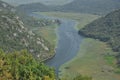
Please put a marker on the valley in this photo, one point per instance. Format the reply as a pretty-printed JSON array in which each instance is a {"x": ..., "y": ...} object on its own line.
[
  {"x": 91, "y": 59},
  {"x": 66, "y": 36},
  {"x": 60, "y": 40}
]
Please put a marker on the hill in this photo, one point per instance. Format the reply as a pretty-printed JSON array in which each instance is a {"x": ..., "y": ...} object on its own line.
[
  {"x": 16, "y": 35},
  {"x": 34, "y": 7},
  {"x": 91, "y": 6},
  {"x": 81, "y": 6},
  {"x": 46, "y": 2},
  {"x": 106, "y": 29}
]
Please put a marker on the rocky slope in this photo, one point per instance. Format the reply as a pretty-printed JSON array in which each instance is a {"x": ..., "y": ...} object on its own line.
[{"x": 14, "y": 35}]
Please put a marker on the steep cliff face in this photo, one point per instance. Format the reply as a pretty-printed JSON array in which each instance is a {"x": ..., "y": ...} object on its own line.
[{"x": 14, "y": 35}]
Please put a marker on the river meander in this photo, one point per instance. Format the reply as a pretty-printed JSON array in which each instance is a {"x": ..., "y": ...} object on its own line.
[{"x": 68, "y": 42}]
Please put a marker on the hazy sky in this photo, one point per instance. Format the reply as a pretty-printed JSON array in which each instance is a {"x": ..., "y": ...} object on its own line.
[{"x": 48, "y": 2}]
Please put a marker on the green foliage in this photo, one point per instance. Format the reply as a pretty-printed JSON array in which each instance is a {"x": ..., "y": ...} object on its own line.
[{"x": 22, "y": 66}]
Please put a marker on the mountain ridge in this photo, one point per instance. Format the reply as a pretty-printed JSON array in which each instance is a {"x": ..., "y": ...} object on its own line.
[{"x": 80, "y": 6}]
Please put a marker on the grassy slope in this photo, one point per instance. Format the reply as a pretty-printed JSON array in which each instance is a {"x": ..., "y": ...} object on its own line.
[{"x": 91, "y": 59}]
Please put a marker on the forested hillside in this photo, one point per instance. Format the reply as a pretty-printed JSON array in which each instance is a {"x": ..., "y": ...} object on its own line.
[
  {"x": 105, "y": 29},
  {"x": 15, "y": 35}
]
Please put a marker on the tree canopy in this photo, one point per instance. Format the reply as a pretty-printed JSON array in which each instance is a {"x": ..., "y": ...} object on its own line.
[{"x": 22, "y": 66}]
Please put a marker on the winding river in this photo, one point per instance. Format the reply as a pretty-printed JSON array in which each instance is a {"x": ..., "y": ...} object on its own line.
[{"x": 68, "y": 42}]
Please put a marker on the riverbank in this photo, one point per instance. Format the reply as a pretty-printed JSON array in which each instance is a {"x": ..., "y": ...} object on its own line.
[
  {"x": 68, "y": 44},
  {"x": 91, "y": 61}
]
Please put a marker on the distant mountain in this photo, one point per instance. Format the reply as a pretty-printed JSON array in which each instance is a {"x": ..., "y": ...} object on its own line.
[
  {"x": 6, "y": 7},
  {"x": 91, "y": 6},
  {"x": 105, "y": 29},
  {"x": 15, "y": 35},
  {"x": 46, "y": 2},
  {"x": 84, "y": 6},
  {"x": 34, "y": 7}
]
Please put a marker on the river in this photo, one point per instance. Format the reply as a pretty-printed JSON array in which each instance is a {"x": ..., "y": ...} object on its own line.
[{"x": 68, "y": 42}]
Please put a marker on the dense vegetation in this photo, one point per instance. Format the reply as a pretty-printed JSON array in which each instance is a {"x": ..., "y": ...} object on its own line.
[
  {"x": 84, "y": 6},
  {"x": 22, "y": 66},
  {"x": 106, "y": 29}
]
